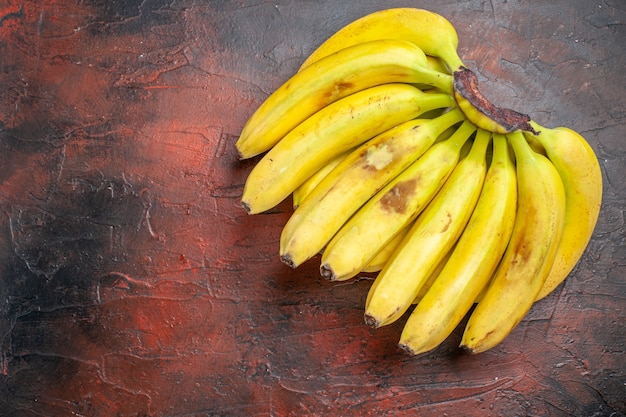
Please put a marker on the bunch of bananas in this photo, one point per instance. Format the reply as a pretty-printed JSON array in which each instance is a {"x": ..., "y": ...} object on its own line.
[{"x": 399, "y": 166}]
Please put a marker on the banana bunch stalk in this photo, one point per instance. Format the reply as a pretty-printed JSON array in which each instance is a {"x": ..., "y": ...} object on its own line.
[{"x": 398, "y": 166}]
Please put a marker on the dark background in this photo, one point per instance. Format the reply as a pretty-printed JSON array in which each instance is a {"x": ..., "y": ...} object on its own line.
[{"x": 133, "y": 284}]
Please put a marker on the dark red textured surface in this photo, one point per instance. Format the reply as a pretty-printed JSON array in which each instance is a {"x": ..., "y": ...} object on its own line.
[{"x": 133, "y": 283}]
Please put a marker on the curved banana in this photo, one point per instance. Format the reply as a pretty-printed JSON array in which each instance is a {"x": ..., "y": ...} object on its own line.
[
  {"x": 429, "y": 281},
  {"x": 529, "y": 254},
  {"x": 580, "y": 172},
  {"x": 380, "y": 259},
  {"x": 432, "y": 277},
  {"x": 473, "y": 260},
  {"x": 433, "y": 33},
  {"x": 358, "y": 177},
  {"x": 434, "y": 233},
  {"x": 304, "y": 189},
  {"x": 392, "y": 208},
  {"x": 336, "y": 128},
  {"x": 338, "y": 75}
]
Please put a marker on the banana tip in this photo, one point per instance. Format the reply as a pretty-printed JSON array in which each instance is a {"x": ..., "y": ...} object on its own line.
[
  {"x": 240, "y": 153},
  {"x": 371, "y": 321},
  {"x": 465, "y": 348},
  {"x": 407, "y": 349},
  {"x": 327, "y": 272},
  {"x": 286, "y": 259},
  {"x": 246, "y": 207}
]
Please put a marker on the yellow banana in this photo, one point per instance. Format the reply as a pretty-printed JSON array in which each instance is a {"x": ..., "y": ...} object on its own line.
[
  {"x": 529, "y": 254},
  {"x": 436, "y": 64},
  {"x": 432, "y": 236},
  {"x": 304, "y": 189},
  {"x": 334, "y": 129},
  {"x": 473, "y": 260},
  {"x": 429, "y": 281},
  {"x": 580, "y": 172},
  {"x": 392, "y": 208},
  {"x": 431, "y": 278},
  {"x": 433, "y": 33},
  {"x": 380, "y": 259},
  {"x": 338, "y": 75},
  {"x": 358, "y": 177}
]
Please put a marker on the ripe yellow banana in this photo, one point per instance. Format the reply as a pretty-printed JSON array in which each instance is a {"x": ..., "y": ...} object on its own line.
[
  {"x": 392, "y": 208},
  {"x": 529, "y": 254},
  {"x": 433, "y": 33},
  {"x": 473, "y": 260},
  {"x": 334, "y": 129},
  {"x": 300, "y": 193},
  {"x": 580, "y": 172},
  {"x": 338, "y": 75},
  {"x": 429, "y": 281},
  {"x": 431, "y": 278},
  {"x": 434, "y": 233},
  {"x": 380, "y": 259},
  {"x": 357, "y": 178}
]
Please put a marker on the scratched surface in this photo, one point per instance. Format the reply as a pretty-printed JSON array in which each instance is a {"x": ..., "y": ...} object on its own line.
[{"x": 132, "y": 283}]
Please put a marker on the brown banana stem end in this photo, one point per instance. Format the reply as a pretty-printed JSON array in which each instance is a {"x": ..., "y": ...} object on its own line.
[{"x": 466, "y": 85}]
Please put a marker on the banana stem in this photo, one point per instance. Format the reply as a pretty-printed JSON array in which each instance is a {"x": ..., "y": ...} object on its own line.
[
  {"x": 436, "y": 101},
  {"x": 536, "y": 127},
  {"x": 522, "y": 150},
  {"x": 437, "y": 79},
  {"x": 449, "y": 118},
  {"x": 452, "y": 59},
  {"x": 466, "y": 85}
]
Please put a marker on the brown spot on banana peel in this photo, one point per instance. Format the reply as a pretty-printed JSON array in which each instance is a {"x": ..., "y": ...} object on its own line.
[
  {"x": 333, "y": 92},
  {"x": 396, "y": 199},
  {"x": 446, "y": 226},
  {"x": 466, "y": 85},
  {"x": 524, "y": 251}
]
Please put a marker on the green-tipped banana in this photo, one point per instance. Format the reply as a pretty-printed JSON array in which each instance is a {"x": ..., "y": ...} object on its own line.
[
  {"x": 434, "y": 233},
  {"x": 358, "y": 177},
  {"x": 392, "y": 208},
  {"x": 473, "y": 260},
  {"x": 530, "y": 253}
]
